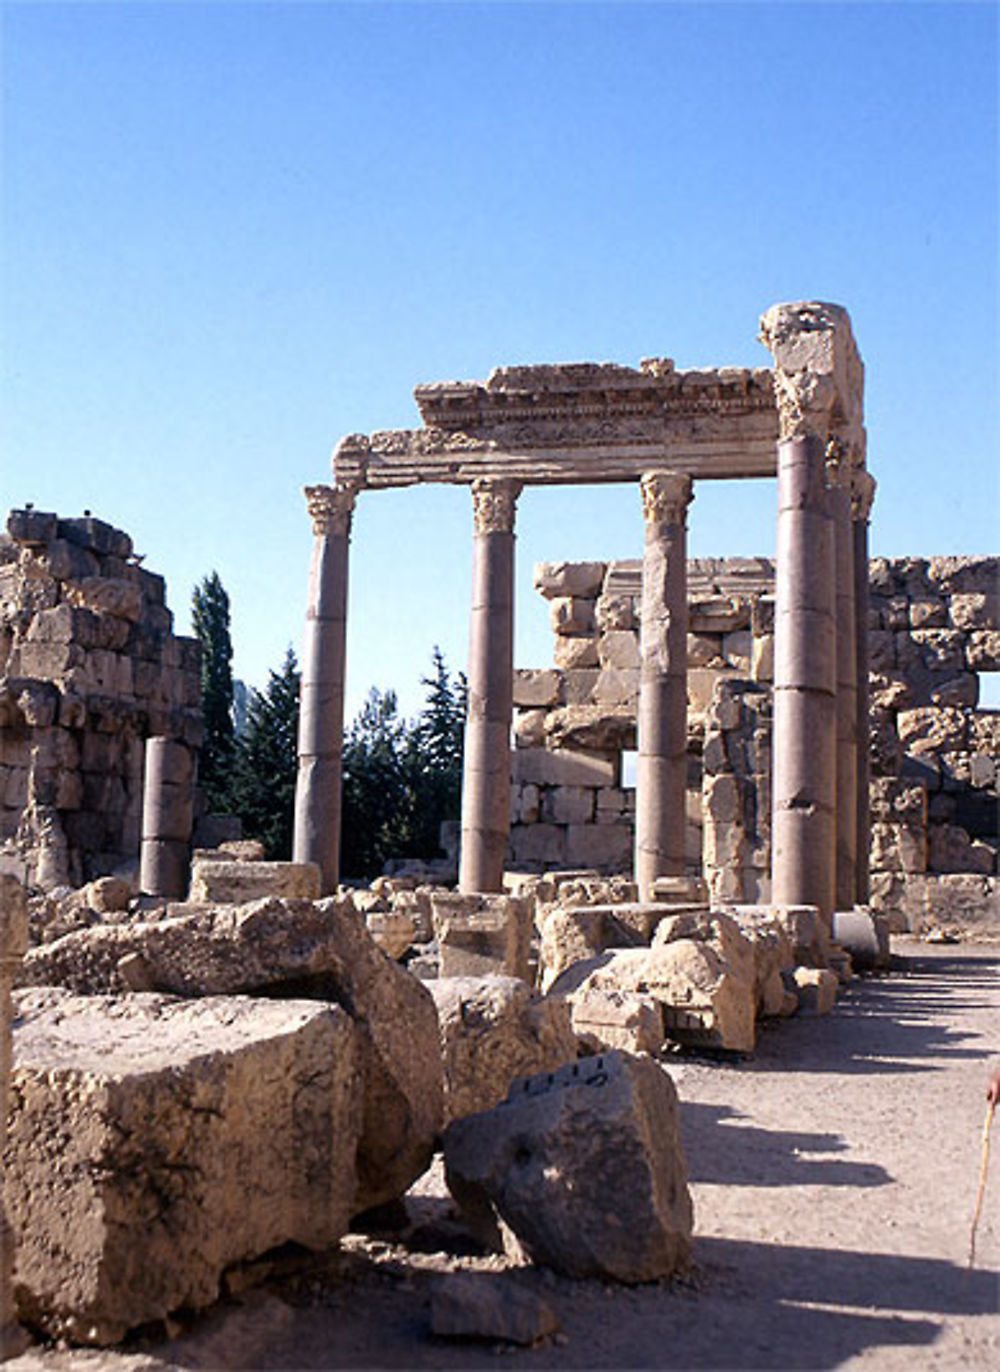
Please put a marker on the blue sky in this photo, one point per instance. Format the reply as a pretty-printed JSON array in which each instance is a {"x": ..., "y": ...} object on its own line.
[{"x": 233, "y": 232}]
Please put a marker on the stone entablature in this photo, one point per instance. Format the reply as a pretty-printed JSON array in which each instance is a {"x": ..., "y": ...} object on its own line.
[
  {"x": 89, "y": 669},
  {"x": 576, "y": 423},
  {"x": 935, "y": 758}
]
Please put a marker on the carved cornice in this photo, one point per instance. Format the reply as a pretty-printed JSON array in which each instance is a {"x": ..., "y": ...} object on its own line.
[
  {"x": 330, "y": 509},
  {"x": 863, "y": 486},
  {"x": 493, "y": 505},
  {"x": 665, "y": 497}
]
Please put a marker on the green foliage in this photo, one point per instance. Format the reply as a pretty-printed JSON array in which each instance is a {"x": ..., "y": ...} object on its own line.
[
  {"x": 262, "y": 779},
  {"x": 210, "y": 617},
  {"x": 402, "y": 780}
]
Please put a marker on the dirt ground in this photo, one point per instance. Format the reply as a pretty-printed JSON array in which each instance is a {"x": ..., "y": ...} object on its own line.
[{"x": 834, "y": 1178}]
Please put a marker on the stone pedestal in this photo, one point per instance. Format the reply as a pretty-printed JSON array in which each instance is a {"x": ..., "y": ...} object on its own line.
[
  {"x": 805, "y": 675},
  {"x": 839, "y": 481},
  {"x": 13, "y": 942},
  {"x": 321, "y": 712},
  {"x": 661, "y": 774},
  {"x": 486, "y": 761},
  {"x": 167, "y": 818},
  {"x": 863, "y": 493}
]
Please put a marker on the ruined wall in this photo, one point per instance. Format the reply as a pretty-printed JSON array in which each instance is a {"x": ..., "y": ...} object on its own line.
[
  {"x": 934, "y": 629},
  {"x": 89, "y": 668}
]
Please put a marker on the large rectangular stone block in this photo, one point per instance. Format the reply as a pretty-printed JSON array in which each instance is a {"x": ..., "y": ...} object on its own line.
[
  {"x": 155, "y": 1141},
  {"x": 221, "y": 881},
  {"x": 483, "y": 934}
]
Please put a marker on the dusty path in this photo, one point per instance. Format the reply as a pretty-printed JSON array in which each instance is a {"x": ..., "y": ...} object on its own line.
[{"x": 834, "y": 1178}]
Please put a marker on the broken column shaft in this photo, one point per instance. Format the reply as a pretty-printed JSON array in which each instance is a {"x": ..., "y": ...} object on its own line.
[
  {"x": 167, "y": 818},
  {"x": 839, "y": 482},
  {"x": 486, "y": 760},
  {"x": 863, "y": 493}
]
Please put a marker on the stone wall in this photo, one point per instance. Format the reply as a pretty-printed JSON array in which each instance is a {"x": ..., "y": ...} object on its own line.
[
  {"x": 89, "y": 668},
  {"x": 934, "y": 628}
]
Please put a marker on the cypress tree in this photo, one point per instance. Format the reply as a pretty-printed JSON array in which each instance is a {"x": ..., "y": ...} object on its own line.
[{"x": 210, "y": 617}]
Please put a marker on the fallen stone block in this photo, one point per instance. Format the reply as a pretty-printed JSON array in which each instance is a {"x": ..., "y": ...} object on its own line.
[
  {"x": 483, "y": 934},
  {"x": 606, "y": 1020},
  {"x": 585, "y": 1166},
  {"x": 489, "y": 1305},
  {"x": 575, "y": 934},
  {"x": 704, "y": 1004},
  {"x": 153, "y": 1141},
  {"x": 864, "y": 934},
  {"x": 816, "y": 989},
  {"x": 392, "y": 930},
  {"x": 313, "y": 950},
  {"x": 493, "y": 1030},
  {"x": 220, "y": 881}
]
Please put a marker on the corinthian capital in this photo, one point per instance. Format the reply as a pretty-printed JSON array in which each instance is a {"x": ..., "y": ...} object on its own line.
[
  {"x": 818, "y": 372},
  {"x": 493, "y": 503},
  {"x": 330, "y": 508},
  {"x": 862, "y": 494},
  {"x": 665, "y": 497}
]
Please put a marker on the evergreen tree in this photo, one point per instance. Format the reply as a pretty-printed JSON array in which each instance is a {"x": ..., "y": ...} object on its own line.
[
  {"x": 436, "y": 743},
  {"x": 376, "y": 796},
  {"x": 265, "y": 764},
  {"x": 210, "y": 617}
]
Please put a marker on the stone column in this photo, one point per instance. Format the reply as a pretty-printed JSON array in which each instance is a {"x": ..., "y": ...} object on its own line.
[
  {"x": 13, "y": 942},
  {"x": 863, "y": 493},
  {"x": 167, "y": 818},
  {"x": 839, "y": 496},
  {"x": 819, "y": 392},
  {"x": 321, "y": 702},
  {"x": 661, "y": 771},
  {"x": 486, "y": 761}
]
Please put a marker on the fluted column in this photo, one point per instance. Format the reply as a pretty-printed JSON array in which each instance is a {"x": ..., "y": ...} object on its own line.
[
  {"x": 13, "y": 943},
  {"x": 321, "y": 710},
  {"x": 862, "y": 495},
  {"x": 839, "y": 484},
  {"x": 486, "y": 760},
  {"x": 661, "y": 769}
]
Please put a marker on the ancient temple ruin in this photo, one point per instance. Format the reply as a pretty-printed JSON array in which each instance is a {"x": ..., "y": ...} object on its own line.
[{"x": 664, "y": 430}]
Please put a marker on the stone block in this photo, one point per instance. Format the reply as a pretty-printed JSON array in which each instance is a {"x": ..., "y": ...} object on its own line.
[
  {"x": 816, "y": 989},
  {"x": 578, "y": 685},
  {"x": 572, "y": 935},
  {"x": 530, "y": 728},
  {"x": 865, "y": 935},
  {"x": 571, "y": 653},
  {"x": 928, "y": 612},
  {"x": 572, "y": 615},
  {"x": 565, "y": 767},
  {"x": 394, "y": 931},
  {"x": 568, "y": 805},
  {"x": 975, "y": 609},
  {"x": 154, "y": 1141},
  {"x": 236, "y": 883},
  {"x": 585, "y": 1166},
  {"x": 107, "y": 596},
  {"x": 98, "y": 536},
  {"x": 704, "y": 650},
  {"x": 483, "y": 934},
  {"x": 607, "y": 1020},
  {"x": 718, "y": 615},
  {"x": 539, "y": 845},
  {"x": 762, "y": 658},
  {"x": 737, "y": 647},
  {"x": 495, "y": 1029},
  {"x": 982, "y": 650},
  {"x": 924, "y": 730},
  {"x": 489, "y": 1305},
  {"x": 616, "y": 687},
  {"x": 558, "y": 579},
  {"x": 615, "y": 612},
  {"x": 537, "y": 688},
  {"x": 619, "y": 648},
  {"x": 317, "y": 950},
  {"x": 961, "y": 690},
  {"x": 606, "y": 846},
  {"x": 32, "y": 527}
]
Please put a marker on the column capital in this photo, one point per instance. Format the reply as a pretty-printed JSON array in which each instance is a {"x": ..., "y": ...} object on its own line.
[
  {"x": 330, "y": 508},
  {"x": 863, "y": 486},
  {"x": 493, "y": 504},
  {"x": 665, "y": 497},
  {"x": 818, "y": 372}
]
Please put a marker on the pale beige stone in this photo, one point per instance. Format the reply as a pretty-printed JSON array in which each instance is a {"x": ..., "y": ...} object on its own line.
[
  {"x": 394, "y": 931},
  {"x": 816, "y": 988},
  {"x": 572, "y": 653},
  {"x": 615, "y": 612},
  {"x": 482, "y": 934},
  {"x": 537, "y": 688},
  {"x": 555, "y": 579},
  {"x": 585, "y": 1166},
  {"x": 605, "y": 1020},
  {"x": 495, "y": 1029},
  {"x": 154, "y": 1141},
  {"x": 218, "y": 882},
  {"x": 619, "y": 648},
  {"x": 572, "y": 615}
]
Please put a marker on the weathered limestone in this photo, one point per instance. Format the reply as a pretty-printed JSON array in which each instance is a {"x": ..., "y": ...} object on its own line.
[
  {"x": 862, "y": 495},
  {"x": 89, "y": 668},
  {"x": 483, "y": 934},
  {"x": 321, "y": 719},
  {"x": 585, "y": 1166},
  {"x": 13, "y": 942},
  {"x": 661, "y": 779},
  {"x": 155, "y": 1141},
  {"x": 167, "y": 818},
  {"x": 219, "y": 881},
  {"x": 318, "y": 951},
  {"x": 839, "y": 495},
  {"x": 495, "y": 1029},
  {"x": 818, "y": 385},
  {"x": 489, "y": 1305},
  {"x": 486, "y": 762}
]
